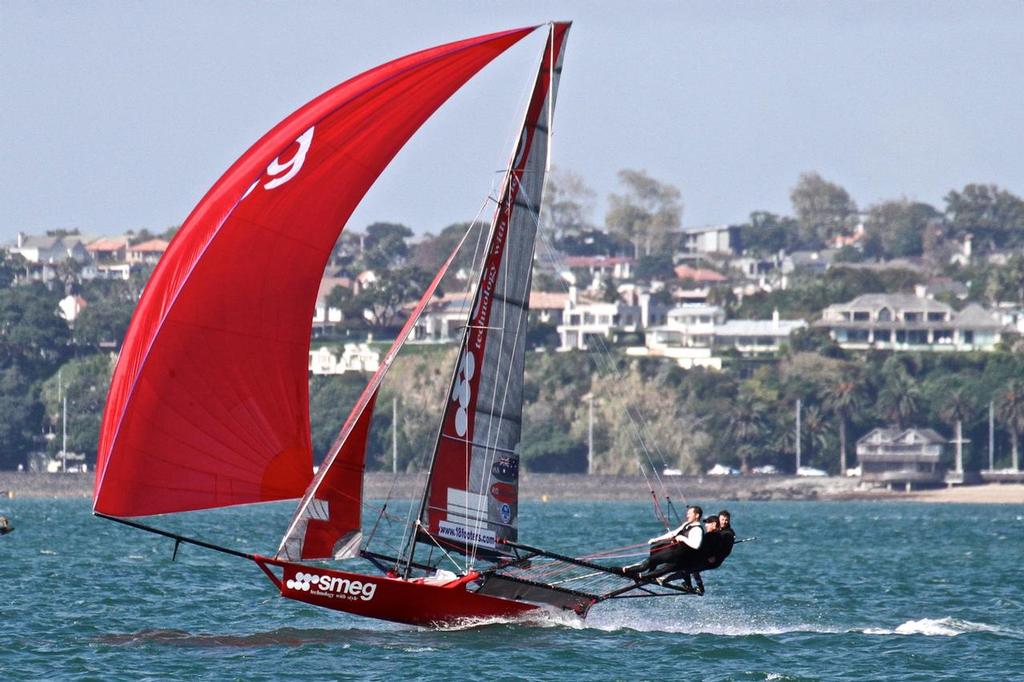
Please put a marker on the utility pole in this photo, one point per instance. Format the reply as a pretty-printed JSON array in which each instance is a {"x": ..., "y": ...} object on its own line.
[
  {"x": 960, "y": 446},
  {"x": 590, "y": 434},
  {"x": 64, "y": 440},
  {"x": 63, "y": 402},
  {"x": 797, "y": 435},
  {"x": 991, "y": 436},
  {"x": 394, "y": 435}
]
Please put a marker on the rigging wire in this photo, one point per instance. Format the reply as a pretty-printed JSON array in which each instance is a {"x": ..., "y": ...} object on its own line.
[{"x": 606, "y": 365}]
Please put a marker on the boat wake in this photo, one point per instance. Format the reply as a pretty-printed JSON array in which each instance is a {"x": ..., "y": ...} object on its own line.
[
  {"x": 942, "y": 627},
  {"x": 729, "y": 624}
]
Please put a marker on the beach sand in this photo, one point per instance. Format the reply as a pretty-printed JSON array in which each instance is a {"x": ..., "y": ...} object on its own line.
[{"x": 992, "y": 493}]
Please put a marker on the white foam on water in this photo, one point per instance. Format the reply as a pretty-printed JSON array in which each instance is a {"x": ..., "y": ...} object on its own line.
[{"x": 937, "y": 627}]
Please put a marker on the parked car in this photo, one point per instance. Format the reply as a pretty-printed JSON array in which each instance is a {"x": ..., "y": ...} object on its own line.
[
  {"x": 722, "y": 470},
  {"x": 810, "y": 471},
  {"x": 766, "y": 470}
]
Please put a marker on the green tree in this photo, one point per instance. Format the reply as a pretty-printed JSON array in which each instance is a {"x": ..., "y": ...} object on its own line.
[
  {"x": 432, "y": 251},
  {"x": 330, "y": 400},
  {"x": 655, "y": 267},
  {"x": 84, "y": 382},
  {"x": 955, "y": 410},
  {"x": 383, "y": 300},
  {"x": 103, "y": 322},
  {"x": 747, "y": 426},
  {"x": 567, "y": 205},
  {"x": 647, "y": 214},
  {"x": 845, "y": 399},
  {"x": 384, "y": 245},
  {"x": 993, "y": 216},
  {"x": 11, "y": 265},
  {"x": 766, "y": 234},
  {"x": 900, "y": 399},
  {"x": 22, "y": 417},
  {"x": 1010, "y": 410},
  {"x": 550, "y": 448},
  {"x": 815, "y": 434},
  {"x": 900, "y": 226},
  {"x": 32, "y": 335},
  {"x": 823, "y": 210}
]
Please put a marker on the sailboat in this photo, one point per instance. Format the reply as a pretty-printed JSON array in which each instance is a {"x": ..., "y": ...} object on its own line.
[{"x": 209, "y": 405}]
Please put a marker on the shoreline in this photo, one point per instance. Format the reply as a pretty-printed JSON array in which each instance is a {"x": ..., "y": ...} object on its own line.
[{"x": 556, "y": 487}]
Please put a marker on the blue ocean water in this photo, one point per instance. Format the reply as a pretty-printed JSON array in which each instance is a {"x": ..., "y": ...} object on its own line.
[{"x": 834, "y": 591}]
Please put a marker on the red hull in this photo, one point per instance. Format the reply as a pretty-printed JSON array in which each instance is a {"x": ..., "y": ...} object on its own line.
[{"x": 402, "y": 601}]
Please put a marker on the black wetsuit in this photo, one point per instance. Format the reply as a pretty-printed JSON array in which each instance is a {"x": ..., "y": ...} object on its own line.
[{"x": 726, "y": 540}]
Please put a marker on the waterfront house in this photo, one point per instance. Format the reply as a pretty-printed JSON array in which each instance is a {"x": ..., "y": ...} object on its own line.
[{"x": 901, "y": 457}]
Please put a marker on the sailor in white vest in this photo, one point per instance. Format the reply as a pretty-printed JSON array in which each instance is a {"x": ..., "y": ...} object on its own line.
[{"x": 678, "y": 546}]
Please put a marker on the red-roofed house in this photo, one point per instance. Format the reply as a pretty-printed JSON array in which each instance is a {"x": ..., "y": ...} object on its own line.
[
  {"x": 147, "y": 252},
  {"x": 700, "y": 275},
  {"x": 109, "y": 255}
]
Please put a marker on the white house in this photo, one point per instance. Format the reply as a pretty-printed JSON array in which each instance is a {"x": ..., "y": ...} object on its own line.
[
  {"x": 708, "y": 239},
  {"x": 908, "y": 322},
  {"x": 355, "y": 358},
  {"x": 692, "y": 332},
  {"x": 71, "y": 306},
  {"x": 585, "y": 320}
]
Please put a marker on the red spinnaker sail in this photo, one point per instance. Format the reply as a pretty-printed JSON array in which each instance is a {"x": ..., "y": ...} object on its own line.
[
  {"x": 208, "y": 406},
  {"x": 471, "y": 502}
]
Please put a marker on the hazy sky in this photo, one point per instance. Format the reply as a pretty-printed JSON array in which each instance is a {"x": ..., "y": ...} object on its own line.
[{"x": 120, "y": 115}]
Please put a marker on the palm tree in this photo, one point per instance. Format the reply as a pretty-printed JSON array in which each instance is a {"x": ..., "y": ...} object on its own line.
[
  {"x": 747, "y": 421},
  {"x": 844, "y": 399},
  {"x": 956, "y": 410},
  {"x": 1010, "y": 408},
  {"x": 816, "y": 428},
  {"x": 899, "y": 399}
]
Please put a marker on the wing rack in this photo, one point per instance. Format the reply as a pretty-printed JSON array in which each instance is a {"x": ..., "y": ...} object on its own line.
[{"x": 566, "y": 582}]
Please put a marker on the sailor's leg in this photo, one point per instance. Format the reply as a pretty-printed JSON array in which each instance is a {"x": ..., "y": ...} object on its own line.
[
  {"x": 670, "y": 576},
  {"x": 700, "y": 583},
  {"x": 659, "y": 554}
]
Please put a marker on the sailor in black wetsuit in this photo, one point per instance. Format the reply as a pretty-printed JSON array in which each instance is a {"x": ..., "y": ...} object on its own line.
[
  {"x": 727, "y": 536},
  {"x": 676, "y": 548},
  {"x": 719, "y": 539}
]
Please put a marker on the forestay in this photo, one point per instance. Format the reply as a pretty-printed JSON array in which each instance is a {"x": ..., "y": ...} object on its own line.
[
  {"x": 471, "y": 501},
  {"x": 209, "y": 402}
]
